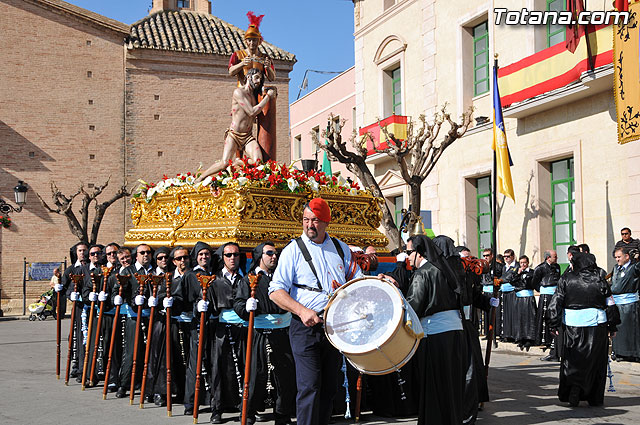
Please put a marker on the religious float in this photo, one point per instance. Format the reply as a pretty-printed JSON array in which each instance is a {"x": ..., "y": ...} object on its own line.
[{"x": 250, "y": 204}]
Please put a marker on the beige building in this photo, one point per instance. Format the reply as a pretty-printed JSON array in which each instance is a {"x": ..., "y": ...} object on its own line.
[
  {"x": 573, "y": 182},
  {"x": 85, "y": 97}
]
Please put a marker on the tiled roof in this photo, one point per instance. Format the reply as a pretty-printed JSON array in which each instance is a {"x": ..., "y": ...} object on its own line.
[{"x": 188, "y": 31}]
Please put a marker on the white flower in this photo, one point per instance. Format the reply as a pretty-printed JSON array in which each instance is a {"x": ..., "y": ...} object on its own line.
[
  {"x": 160, "y": 185},
  {"x": 292, "y": 183},
  {"x": 190, "y": 179},
  {"x": 226, "y": 180},
  {"x": 341, "y": 181},
  {"x": 207, "y": 181},
  {"x": 242, "y": 181},
  {"x": 260, "y": 167},
  {"x": 353, "y": 191},
  {"x": 150, "y": 193},
  {"x": 314, "y": 184}
]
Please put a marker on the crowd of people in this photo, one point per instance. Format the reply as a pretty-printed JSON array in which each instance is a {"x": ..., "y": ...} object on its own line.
[{"x": 295, "y": 369}]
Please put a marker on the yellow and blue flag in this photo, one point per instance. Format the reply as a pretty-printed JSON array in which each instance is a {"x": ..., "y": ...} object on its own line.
[{"x": 503, "y": 157}]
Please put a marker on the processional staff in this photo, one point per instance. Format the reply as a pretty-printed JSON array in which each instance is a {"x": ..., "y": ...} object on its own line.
[
  {"x": 106, "y": 271},
  {"x": 89, "y": 332},
  {"x": 168, "y": 342},
  {"x": 253, "y": 284},
  {"x": 58, "y": 332},
  {"x": 155, "y": 281},
  {"x": 204, "y": 284},
  {"x": 122, "y": 280},
  {"x": 76, "y": 278},
  {"x": 142, "y": 280}
]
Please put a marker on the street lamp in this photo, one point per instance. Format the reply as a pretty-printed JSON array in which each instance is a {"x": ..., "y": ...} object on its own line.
[{"x": 20, "y": 192}]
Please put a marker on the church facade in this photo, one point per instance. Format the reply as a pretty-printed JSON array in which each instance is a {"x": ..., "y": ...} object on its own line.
[{"x": 86, "y": 98}]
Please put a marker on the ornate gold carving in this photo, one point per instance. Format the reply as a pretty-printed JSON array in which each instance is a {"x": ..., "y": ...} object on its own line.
[{"x": 249, "y": 215}]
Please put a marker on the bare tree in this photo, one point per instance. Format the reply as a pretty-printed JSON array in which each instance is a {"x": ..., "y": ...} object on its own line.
[
  {"x": 79, "y": 225},
  {"x": 415, "y": 157}
]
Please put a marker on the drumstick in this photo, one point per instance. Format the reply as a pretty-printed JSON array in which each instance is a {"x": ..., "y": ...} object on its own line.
[{"x": 362, "y": 317}]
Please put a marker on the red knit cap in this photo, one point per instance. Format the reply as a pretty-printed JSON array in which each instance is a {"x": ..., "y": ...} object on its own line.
[{"x": 321, "y": 209}]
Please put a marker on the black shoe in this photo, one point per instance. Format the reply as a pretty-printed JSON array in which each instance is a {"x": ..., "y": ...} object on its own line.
[
  {"x": 574, "y": 396},
  {"x": 158, "y": 400},
  {"x": 79, "y": 379},
  {"x": 111, "y": 388},
  {"x": 121, "y": 393},
  {"x": 216, "y": 418},
  {"x": 550, "y": 358},
  {"x": 148, "y": 398},
  {"x": 74, "y": 374},
  {"x": 188, "y": 410}
]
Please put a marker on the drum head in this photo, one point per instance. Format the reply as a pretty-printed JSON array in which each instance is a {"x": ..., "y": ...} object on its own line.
[{"x": 363, "y": 314}]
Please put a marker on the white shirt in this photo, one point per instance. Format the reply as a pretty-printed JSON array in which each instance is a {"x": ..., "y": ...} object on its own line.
[
  {"x": 139, "y": 266},
  {"x": 231, "y": 276},
  {"x": 177, "y": 274},
  {"x": 293, "y": 269},
  {"x": 260, "y": 269}
]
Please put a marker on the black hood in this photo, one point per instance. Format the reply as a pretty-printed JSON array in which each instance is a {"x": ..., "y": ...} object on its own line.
[
  {"x": 430, "y": 251},
  {"x": 199, "y": 247}
]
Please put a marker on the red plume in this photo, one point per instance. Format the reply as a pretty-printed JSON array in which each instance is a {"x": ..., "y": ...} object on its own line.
[{"x": 254, "y": 20}]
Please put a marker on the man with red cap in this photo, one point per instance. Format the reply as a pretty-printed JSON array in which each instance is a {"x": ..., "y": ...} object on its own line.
[{"x": 309, "y": 271}]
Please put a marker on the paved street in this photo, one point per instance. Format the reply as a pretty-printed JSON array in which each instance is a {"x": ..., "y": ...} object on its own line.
[{"x": 523, "y": 389}]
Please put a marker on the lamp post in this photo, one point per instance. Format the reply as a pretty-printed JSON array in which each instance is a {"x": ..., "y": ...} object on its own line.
[{"x": 20, "y": 192}]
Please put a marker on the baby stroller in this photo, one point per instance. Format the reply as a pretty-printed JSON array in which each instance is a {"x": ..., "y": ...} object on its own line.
[{"x": 43, "y": 308}]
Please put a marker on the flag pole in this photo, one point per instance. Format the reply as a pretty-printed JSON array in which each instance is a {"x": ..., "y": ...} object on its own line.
[{"x": 491, "y": 337}]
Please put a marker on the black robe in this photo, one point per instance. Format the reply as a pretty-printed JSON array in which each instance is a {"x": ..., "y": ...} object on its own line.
[
  {"x": 584, "y": 357},
  {"x": 626, "y": 343},
  {"x": 192, "y": 293},
  {"x": 524, "y": 325},
  {"x": 486, "y": 280},
  {"x": 179, "y": 334},
  {"x": 442, "y": 359},
  {"x": 227, "y": 362},
  {"x": 506, "y": 316},
  {"x": 279, "y": 357},
  {"x": 396, "y": 394},
  {"x": 127, "y": 327},
  {"x": 545, "y": 275}
]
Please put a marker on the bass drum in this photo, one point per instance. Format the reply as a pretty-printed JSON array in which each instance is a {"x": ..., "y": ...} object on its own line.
[{"x": 369, "y": 321}]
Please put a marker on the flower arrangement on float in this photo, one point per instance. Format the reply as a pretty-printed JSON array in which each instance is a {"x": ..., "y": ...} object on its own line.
[{"x": 270, "y": 174}]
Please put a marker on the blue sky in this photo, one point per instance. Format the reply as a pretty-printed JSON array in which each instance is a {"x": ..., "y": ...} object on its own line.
[{"x": 319, "y": 33}]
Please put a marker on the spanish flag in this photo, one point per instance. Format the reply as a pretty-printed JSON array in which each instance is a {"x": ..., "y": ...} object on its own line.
[{"x": 503, "y": 157}]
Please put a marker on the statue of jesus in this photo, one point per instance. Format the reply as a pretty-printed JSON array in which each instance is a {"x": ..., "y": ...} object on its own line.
[{"x": 239, "y": 139}]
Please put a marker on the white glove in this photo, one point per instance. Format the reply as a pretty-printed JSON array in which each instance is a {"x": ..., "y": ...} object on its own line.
[
  {"x": 167, "y": 302},
  {"x": 153, "y": 301},
  {"x": 252, "y": 304},
  {"x": 401, "y": 257},
  {"x": 611, "y": 301},
  {"x": 102, "y": 296},
  {"x": 58, "y": 287},
  {"x": 73, "y": 296},
  {"x": 203, "y": 306},
  {"x": 117, "y": 300},
  {"x": 139, "y": 299},
  {"x": 93, "y": 297},
  {"x": 495, "y": 302}
]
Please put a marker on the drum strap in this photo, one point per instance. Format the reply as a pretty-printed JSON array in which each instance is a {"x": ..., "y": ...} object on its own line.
[{"x": 308, "y": 259}]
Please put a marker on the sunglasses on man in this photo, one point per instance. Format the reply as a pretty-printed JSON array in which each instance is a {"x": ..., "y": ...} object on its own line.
[{"x": 231, "y": 254}]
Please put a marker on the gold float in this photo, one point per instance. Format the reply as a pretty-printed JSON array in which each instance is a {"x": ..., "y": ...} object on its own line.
[{"x": 249, "y": 215}]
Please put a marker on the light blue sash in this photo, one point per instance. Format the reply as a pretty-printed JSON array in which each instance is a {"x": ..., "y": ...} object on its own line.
[
  {"x": 228, "y": 315},
  {"x": 524, "y": 293},
  {"x": 488, "y": 289},
  {"x": 548, "y": 290},
  {"x": 584, "y": 317},
  {"x": 467, "y": 312},
  {"x": 628, "y": 298},
  {"x": 506, "y": 287},
  {"x": 272, "y": 321},
  {"x": 111, "y": 312},
  {"x": 443, "y": 321},
  {"x": 126, "y": 310},
  {"x": 184, "y": 317}
]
